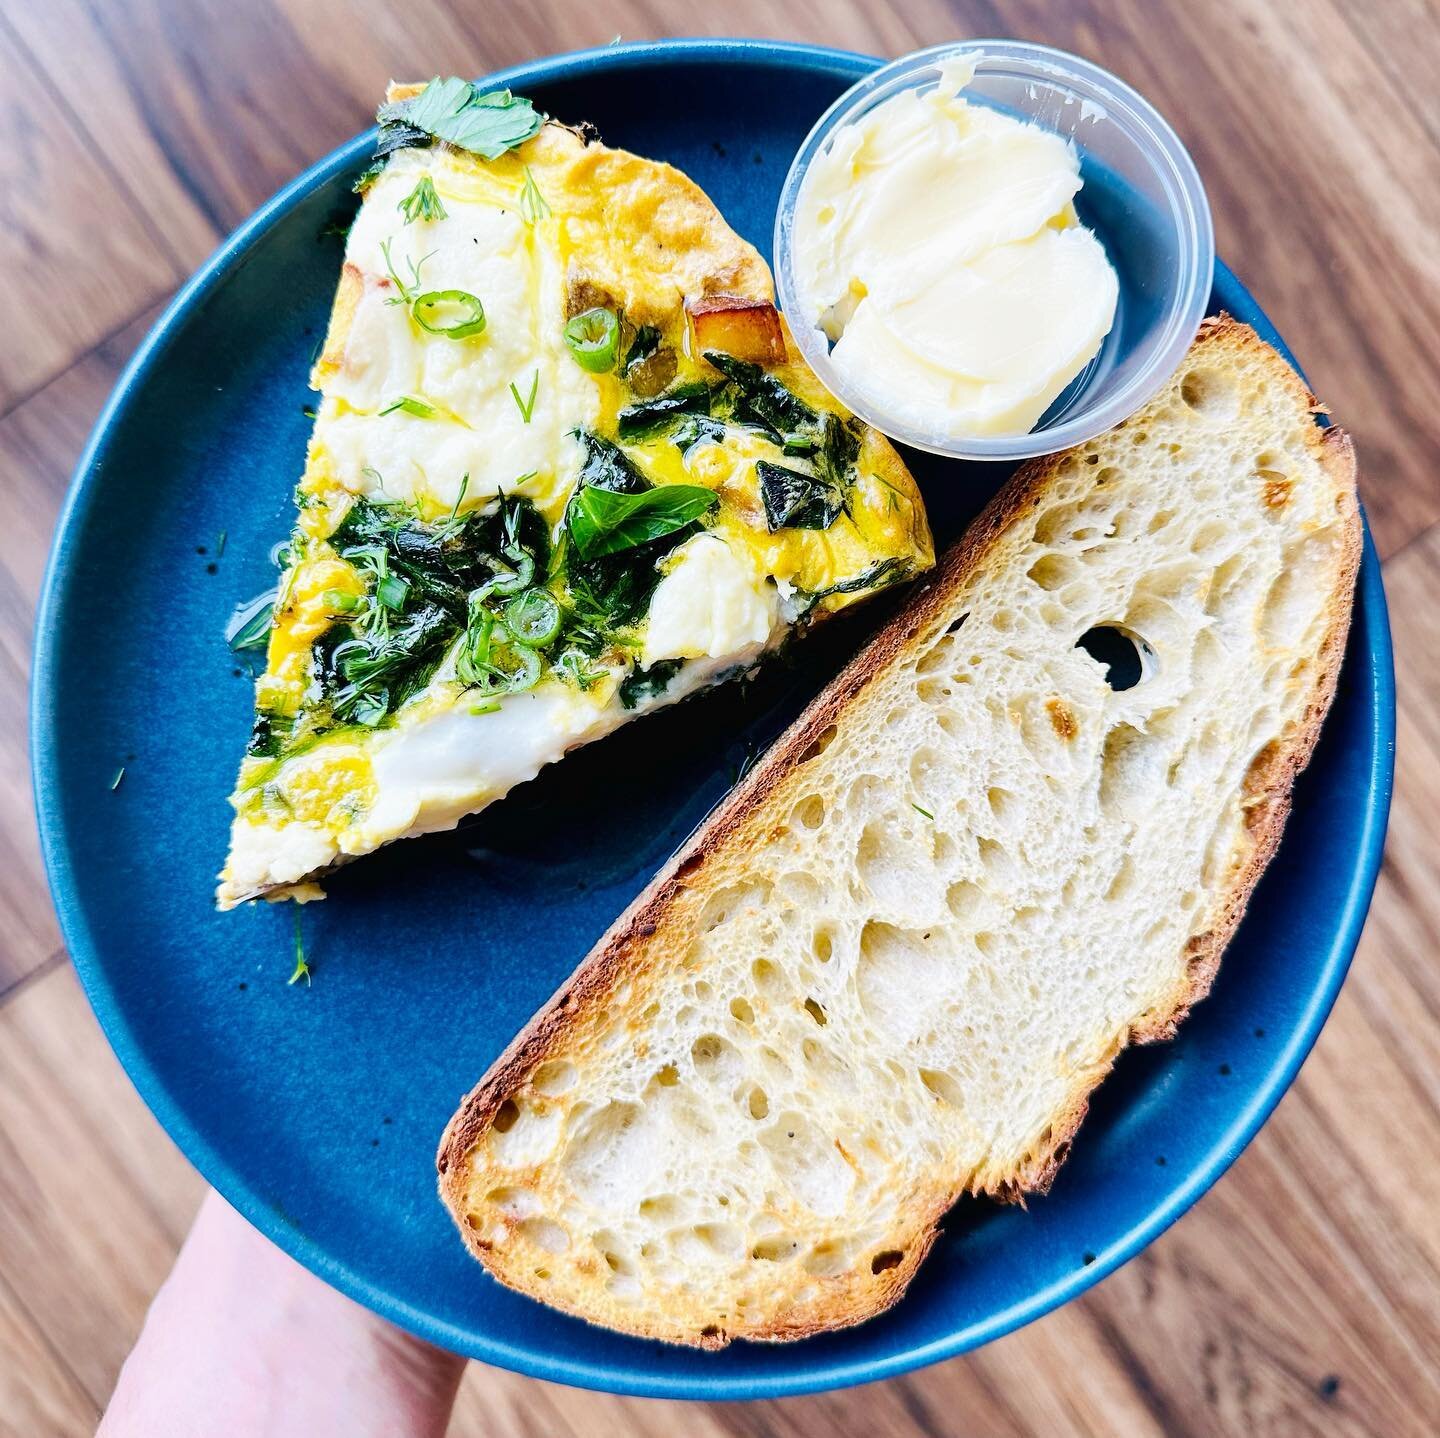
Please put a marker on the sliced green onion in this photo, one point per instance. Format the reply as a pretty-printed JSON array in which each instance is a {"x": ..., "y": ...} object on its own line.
[
  {"x": 427, "y": 309},
  {"x": 392, "y": 591},
  {"x": 493, "y": 707},
  {"x": 514, "y": 580},
  {"x": 339, "y": 602},
  {"x": 533, "y": 618},
  {"x": 594, "y": 338}
]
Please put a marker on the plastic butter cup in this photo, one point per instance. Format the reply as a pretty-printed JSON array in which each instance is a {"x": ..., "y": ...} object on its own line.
[{"x": 1141, "y": 196}]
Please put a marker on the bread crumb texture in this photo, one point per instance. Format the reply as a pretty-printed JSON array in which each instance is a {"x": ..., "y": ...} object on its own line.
[{"x": 1012, "y": 838}]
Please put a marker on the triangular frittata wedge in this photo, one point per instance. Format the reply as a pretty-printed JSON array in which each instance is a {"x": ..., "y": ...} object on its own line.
[{"x": 566, "y": 469}]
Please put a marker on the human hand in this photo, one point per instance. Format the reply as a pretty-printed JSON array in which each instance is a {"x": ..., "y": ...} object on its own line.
[{"x": 243, "y": 1342}]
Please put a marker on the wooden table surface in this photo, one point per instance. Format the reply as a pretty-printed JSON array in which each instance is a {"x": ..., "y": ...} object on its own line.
[{"x": 1302, "y": 1295}]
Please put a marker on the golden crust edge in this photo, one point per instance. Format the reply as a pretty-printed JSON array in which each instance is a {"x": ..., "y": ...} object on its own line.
[{"x": 1036, "y": 1172}]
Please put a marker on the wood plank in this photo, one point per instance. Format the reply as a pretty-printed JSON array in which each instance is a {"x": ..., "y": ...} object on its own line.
[
  {"x": 40, "y": 441},
  {"x": 70, "y": 280},
  {"x": 38, "y": 1393},
  {"x": 94, "y": 1199}
]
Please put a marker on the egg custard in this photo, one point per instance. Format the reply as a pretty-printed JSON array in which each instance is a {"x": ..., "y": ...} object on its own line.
[{"x": 563, "y": 471}]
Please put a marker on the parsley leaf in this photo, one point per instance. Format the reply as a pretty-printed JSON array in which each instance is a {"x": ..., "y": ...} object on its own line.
[{"x": 486, "y": 124}]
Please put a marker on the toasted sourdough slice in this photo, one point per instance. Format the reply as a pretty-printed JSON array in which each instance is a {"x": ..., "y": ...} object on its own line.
[
  {"x": 890, "y": 968},
  {"x": 507, "y": 545}
]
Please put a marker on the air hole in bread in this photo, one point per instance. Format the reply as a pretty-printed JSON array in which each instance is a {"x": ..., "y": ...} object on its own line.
[
  {"x": 890, "y": 1258},
  {"x": 818, "y": 745},
  {"x": 1052, "y": 571},
  {"x": 505, "y": 1116},
  {"x": 822, "y": 946},
  {"x": 758, "y": 1104},
  {"x": 512, "y": 1201},
  {"x": 810, "y": 812},
  {"x": 944, "y": 1085},
  {"x": 1123, "y": 654},
  {"x": 714, "y": 1057},
  {"x": 740, "y": 1009},
  {"x": 668, "y": 1077},
  {"x": 1210, "y": 393},
  {"x": 774, "y": 1249},
  {"x": 767, "y": 977},
  {"x": 816, "y": 1011},
  {"x": 545, "y": 1234}
]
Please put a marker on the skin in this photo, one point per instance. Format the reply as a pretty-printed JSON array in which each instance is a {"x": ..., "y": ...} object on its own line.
[{"x": 241, "y": 1340}]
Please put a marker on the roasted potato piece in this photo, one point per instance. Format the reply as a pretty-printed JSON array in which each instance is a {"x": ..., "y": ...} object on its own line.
[{"x": 747, "y": 329}]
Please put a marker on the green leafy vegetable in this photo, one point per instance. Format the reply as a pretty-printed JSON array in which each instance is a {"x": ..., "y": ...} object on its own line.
[
  {"x": 602, "y": 522},
  {"x": 651, "y": 683},
  {"x": 411, "y": 405},
  {"x": 427, "y": 310},
  {"x": 794, "y": 500},
  {"x": 484, "y": 123},
  {"x": 423, "y": 202},
  {"x": 593, "y": 338},
  {"x": 640, "y": 421},
  {"x": 760, "y": 399}
]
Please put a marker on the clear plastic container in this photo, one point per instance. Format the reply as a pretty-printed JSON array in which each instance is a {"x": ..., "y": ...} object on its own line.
[{"x": 1141, "y": 196}]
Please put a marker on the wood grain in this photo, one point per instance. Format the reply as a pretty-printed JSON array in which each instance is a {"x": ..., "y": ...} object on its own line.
[{"x": 1302, "y": 1295}]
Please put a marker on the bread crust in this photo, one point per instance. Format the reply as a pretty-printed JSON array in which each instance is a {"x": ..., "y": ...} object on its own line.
[{"x": 1268, "y": 784}]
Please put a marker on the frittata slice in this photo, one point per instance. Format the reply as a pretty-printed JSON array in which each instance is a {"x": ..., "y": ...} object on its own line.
[{"x": 565, "y": 470}]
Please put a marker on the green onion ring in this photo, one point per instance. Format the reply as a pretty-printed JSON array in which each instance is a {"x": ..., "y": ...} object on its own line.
[
  {"x": 594, "y": 338},
  {"x": 461, "y": 329},
  {"x": 533, "y": 618}
]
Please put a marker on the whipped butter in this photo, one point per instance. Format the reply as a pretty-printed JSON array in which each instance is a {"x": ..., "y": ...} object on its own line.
[{"x": 936, "y": 244}]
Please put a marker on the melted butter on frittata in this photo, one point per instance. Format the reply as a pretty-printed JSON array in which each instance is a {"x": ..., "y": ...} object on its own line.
[{"x": 437, "y": 435}]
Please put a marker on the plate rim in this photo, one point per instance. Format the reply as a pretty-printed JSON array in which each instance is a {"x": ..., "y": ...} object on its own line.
[{"x": 644, "y": 1378}]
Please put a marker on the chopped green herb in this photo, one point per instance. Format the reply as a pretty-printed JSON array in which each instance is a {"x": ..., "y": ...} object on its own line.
[
  {"x": 651, "y": 683},
  {"x": 493, "y": 707},
  {"x": 526, "y": 406},
  {"x": 337, "y": 601},
  {"x": 575, "y": 666},
  {"x": 921, "y": 810},
  {"x": 427, "y": 311},
  {"x": 602, "y": 522},
  {"x": 593, "y": 338},
  {"x": 423, "y": 202},
  {"x": 308, "y": 410},
  {"x": 119, "y": 775},
  {"x": 484, "y": 123},
  {"x": 405, "y": 290},
  {"x": 302, "y": 967},
  {"x": 411, "y": 405},
  {"x": 532, "y": 202},
  {"x": 220, "y": 544}
]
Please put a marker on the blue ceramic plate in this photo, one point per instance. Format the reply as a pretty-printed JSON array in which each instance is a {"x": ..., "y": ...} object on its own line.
[{"x": 316, "y": 1111}]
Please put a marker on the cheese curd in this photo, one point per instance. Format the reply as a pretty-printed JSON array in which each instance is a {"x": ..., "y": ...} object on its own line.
[
  {"x": 937, "y": 245},
  {"x": 710, "y": 602}
]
